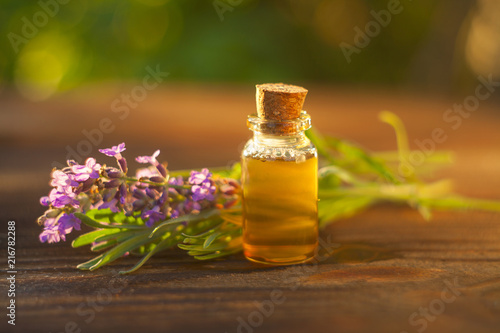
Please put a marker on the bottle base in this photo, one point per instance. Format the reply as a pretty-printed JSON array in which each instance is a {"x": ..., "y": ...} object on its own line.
[{"x": 279, "y": 255}]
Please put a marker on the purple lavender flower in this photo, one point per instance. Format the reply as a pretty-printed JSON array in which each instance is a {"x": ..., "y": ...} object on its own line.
[
  {"x": 179, "y": 181},
  {"x": 204, "y": 191},
  {"x": 174, "y": 213},
  {"x": 62, "y": 181},
  {"x": 146, "y": 172},
  {"x": 192, "y": 206},
  {"x": 114, "y": 151},
  {"x": 50, "y": 222},
  {"x": 45, "y": 201},
  {"x": 202, "y": 188},
  {"x": 76, "y": 189},
  {"x": 152, "y": 216},
  {"x": 89, "y": 170},
  {"x": 61, "y": 199},
  {"x": 51, "y": 234},
  {"x": 197, "y": 178},
  {"x": 152, "y": 160},
  {"x": 176, "y": 181},
  {"x": 111, "y": 204},
  {"x": 67, "y": 222},
  {"x": 149, "y": 159}
]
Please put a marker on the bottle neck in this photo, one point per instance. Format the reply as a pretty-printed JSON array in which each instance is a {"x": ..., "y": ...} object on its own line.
[{"x": 294, "y": 140}]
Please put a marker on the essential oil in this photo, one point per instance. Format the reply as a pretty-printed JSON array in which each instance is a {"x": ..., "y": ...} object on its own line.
[{"x": 279, "y": 180}]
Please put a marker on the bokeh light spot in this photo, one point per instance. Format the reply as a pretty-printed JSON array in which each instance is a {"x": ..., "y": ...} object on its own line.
[{"x": 42, "y": 65}]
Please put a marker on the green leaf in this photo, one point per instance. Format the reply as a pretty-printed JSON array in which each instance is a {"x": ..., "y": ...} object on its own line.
[
  {"x": 202, "y": 235},
  {"x": 210, "y": 239},
  {"x": 90, "y": 237},
  {"x": 334, "y": 209},
  {"x": 425, "y": 211},
  {"x": 186, "y": 218},
  {"x": 192, "y": 241},
  {"x": 119, "y": 236},
  {"x": 401, "y": 138},
  {"x": 234, "y": 172},
  {"x": 321, "y": 145},
  {"x": 120, "y": 249},
  {"x": 107, "y": 215},
  {"x": 217, "y": 254},
  {"x": 103, "y": 245},
  {"x": 456, "y": 202},
  {"x": 443, "y": 157},
  {"x": 217, "y": 246},
  {"x": 110, "y": 240},
  {"x": 339, "y": 174},
  {"x": 358, "y": 155},
  {"x": 93, "y": 223},
  {"x": 86, "y": 265},
  {"x": 166, "y": 243}
]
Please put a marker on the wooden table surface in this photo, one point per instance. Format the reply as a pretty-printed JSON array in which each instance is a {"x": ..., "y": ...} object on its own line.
[{"x": 388, "y": 270}]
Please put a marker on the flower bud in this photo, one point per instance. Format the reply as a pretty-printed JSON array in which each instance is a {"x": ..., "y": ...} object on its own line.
[
  {"x": 41, "y": 219},
  {"x": 161, "y": 169},
  {"x": 233, "y": 183},
  {"x": 109, "y": 194},
  {"x": 123, "y": 164},
  {"x": 227, "y": 189},
  {"x": 115, "y": 173},
  {"x": 230, "y": 203},
  {"x": 45, "y": 201},
  {"x": 163, "y": 198},
  {"x": 51, "y": 213},
  {"x": 153, "y": 194},
  {"x": 129, "y": 209},
  {"x": 157, "y": 179},
  {"x": 112, "y": 183},
  {"x": 123, "y": 193},
  {"x": 138, "y": 205},
  {"x": 86, "y": 185},
  {"x": 138, "y": 194}
]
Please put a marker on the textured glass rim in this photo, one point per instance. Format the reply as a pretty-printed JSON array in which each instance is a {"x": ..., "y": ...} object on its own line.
[{"x": 256, "y": 123}]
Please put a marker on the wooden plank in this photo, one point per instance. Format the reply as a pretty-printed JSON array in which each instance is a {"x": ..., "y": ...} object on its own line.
[{"x": 389, "y": 271}]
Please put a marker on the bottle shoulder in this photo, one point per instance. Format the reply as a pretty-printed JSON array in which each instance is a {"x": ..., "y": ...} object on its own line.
[{"x": 267, "y": 151}]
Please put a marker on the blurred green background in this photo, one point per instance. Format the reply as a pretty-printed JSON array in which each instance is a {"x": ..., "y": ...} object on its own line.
[{"x": 52, "y": 46}]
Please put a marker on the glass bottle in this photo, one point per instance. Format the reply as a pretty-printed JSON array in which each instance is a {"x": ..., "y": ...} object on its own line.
[{"x": 279, "y": 180}]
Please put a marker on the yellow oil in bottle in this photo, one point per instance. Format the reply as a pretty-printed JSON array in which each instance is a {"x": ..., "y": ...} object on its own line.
[{"x": 280, "y": 210}]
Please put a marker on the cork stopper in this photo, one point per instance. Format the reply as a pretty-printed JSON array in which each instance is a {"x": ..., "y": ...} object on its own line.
[{"x": 279, "y": 102}]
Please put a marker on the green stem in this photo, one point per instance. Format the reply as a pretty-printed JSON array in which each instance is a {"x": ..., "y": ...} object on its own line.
[
  {"x": 135, "y": 180},
  {"x": 391, "y": 192}
]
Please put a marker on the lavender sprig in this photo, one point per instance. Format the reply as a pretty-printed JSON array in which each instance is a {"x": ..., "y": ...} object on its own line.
[{"x": 147, "y": 199}]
